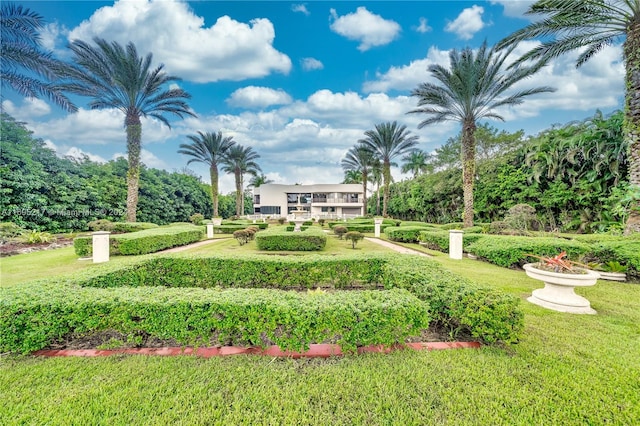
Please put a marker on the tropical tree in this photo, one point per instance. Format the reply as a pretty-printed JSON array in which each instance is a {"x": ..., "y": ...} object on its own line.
[
  {"x": 210, "y": 149},
  {"x": 21, "y": 50},
  {"x": 258, "y": 180},
  {"x": 388, "y": 141},
  {"x": 116, "y": 77},
  {"x": 239, "y": 161},
  {"x": 568, "y": 25},
  {"x": 417, "y": 162},
  {"x": 474, "y": 86},
  {"x": 352, "y": 176},
  {"x": 359, "y": 159},
  {"x": 376, "y": 179}
]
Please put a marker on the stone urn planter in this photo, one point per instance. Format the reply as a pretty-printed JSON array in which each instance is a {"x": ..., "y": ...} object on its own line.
[
  {"x": 558, "y": 293},
  {"x": 217, "y": 221}
]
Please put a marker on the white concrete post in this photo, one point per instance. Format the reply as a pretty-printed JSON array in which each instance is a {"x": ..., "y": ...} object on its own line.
[
  {"x": 100, "y": 246},
  {"x": 455, "y": 244},
  {"x": 209, "y": 230},
  {"x": 378, "y": 222}
]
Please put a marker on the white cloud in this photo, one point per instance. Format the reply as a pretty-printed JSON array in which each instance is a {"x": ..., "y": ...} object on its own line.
[
  {"x": 227, "y": 50},
  {"x": 78, "y": 154},
  {"x": 515, "y": 8},
  {"x": 310, "y": 64},
  {"x": 301, "y": 8},
  {"x": 367, "y": 28},
  {"x": 467, "y": 23},
  {"x": 258, "y": 97},
  {"x": 147, "y": 157},
  {"x": 407, "y": 77},
  {"x": 31, "y": 107},
  {"x": 423, "y": 27}
]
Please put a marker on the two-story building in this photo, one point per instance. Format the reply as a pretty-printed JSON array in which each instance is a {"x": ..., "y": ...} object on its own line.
[{"x": 321, "y": 201}]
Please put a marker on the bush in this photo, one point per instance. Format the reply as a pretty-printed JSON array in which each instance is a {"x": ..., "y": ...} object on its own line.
[
  {"x": 38, "y": 237},
  {"x": 311, "y": 239},
  {"x": 439, "y": 240},
  {"x": 340, "y": 231},
  {"x": 625, "y": 252},
  {"x": 406, "y": 234},
  {"x": 228, "y": 229},
  {"x": 452, "y": 225},
  {"x": 142, "y": 242},
  {"x": 282, "y": 220},
  {"x": 522, "y": 217},
  {"x": 101, "y": 225},
  {"x": 321, "y": 222},
  {"x": 125, "y": 227},
  {"x": 354, "y": 237},
  {"x": 196, "y": 219},
  {"x": 242, "y": 236},
  {"x": 9, "y": 230},
  {"x": 510, "y": 251}
]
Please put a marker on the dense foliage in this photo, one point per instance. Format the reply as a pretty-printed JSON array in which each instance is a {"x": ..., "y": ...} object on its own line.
[
  {"x": 44, "y": 192},
  {"x": 311, "y": 239},
  {"x": 574, "y": 176}
]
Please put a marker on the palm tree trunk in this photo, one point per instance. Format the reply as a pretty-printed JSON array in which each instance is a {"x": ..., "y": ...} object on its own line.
[
  {"x": 241, "y": 194},
  {"x": 387, "y": 181},
  {"x": 134, "y": 140},
  {"x": 632, "y": 118},
  {"x": 213, "y": 170},
  {"x": 238, "y": 193},
  {"x": 468, "y": 169},
  {"x": 378, "y": 199},
  {"x": 364, "y": 192}
]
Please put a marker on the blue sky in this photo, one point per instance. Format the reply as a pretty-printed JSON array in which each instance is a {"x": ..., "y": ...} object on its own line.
[{"x": 300, "y": 82}]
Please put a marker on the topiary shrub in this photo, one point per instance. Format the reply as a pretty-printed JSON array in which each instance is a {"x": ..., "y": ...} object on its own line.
[
  {"x": 196, "y": 219},
  {"x": 321, "y": 222},
  {"x": 406, "y": 234},
  {"x": 282, "y": 220},
  {"x": 340, "y": 231},
  {"x": 101, "y": 225},
  {"x": 311, "y": 239},
  {"x": 242, "y": 236},
  {"x": 354, "y": 237},
  {"x": 125, "y": 227}
]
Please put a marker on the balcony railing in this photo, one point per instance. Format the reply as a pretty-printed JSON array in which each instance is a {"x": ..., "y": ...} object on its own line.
[{"x": 336, "y": 200}]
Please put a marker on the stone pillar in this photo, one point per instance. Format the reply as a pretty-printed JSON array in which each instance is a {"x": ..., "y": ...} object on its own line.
[
  {"x": 455, "y": 244},
  {"x": 100, "y": 246},
  {"x": 378, "y": 222},
  {"x": 209, "y": 230}
]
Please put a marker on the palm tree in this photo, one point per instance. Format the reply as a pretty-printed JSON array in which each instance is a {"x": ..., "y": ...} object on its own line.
[
  {"x": 359, "y": 159},
  {"x": 239, "y": 161},
  {"x": 116, "y": 77},
  {"x": 21, "y": 48},
  {"x": 471, "y": 90},
  {"x": 593, "y": 24},
  {"x": 258, "y": 180},
  {"x": 388, "y": 141},
  {"x": 210, "y": 149},
  {"x": 376, "y": 179},
  {"x": 417, "y": 162},
  {"x": 352, "y": 176}
]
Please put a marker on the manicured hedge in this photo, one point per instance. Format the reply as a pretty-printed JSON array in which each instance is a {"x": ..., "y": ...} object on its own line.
[
  {"x": 406, "y": 234},
  {"x": 142, "y": 242},
  {"x": 457, "y": 303},
  {"x": 290, "y": 228},
  {"x": 31, "y": 319},
  {"x": 244, "y": 224},
  {"x": 132, "y": 226},
  {"x": 510, "y": 251},
  {"x": 228, "y": 229},
  {"x": 311, "y": 239},
  {"x": 137, "y": 300},
  {"x": 439, "y": 240},
  {"x": 624, "y": 251}
]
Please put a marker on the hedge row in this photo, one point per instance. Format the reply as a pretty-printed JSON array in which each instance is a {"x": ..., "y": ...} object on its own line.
[
  {"x": 625, "y": 252},
  {"x": 119, "y": 227},
  {"x": 405, "y": 234},
  {"x": 32, "y": 319},
  {"x": 228, "y": 229},
  {"x": 311, "y": 239},
  {"x": 510, "y": 251},
  {"x": 36, "y": 315},
  {"x": 439, "y": 240},
  {"x": 281, "y": 272},
  {"x": 143, "y": 242},
  {"x": 457, "y": 303},
  {"x": 245, "y": 223}
]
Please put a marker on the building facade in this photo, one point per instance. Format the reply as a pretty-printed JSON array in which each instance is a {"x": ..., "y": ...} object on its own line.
[{"x": 320, "y": 201}]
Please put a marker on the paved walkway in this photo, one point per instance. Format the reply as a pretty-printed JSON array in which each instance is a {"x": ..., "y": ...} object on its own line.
[
  {"x": 194, "y": 245},
  {"x": 396, "y": 247}
]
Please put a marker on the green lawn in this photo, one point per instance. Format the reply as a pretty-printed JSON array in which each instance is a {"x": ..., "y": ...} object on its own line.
[{"x": 566, "y": 370}]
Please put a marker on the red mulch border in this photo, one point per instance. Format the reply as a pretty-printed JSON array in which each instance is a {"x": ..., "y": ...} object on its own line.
[{"x": 323, "y": 350}]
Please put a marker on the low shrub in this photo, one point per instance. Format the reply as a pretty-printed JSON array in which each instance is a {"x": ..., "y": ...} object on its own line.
[
  {"x": 228, "y": 229},
  {"x": 452, "y": 225},
  {"x": 340, "y": 231},
  {"x": 125, "y": 227},
  {"x": 311, "y": 239},
  {"x": 33, "y": 318},
  {"x": 624, "y": 251},
  {"x": 510, "y": 251},
  {"x": 9, "y": 230},
  {"x": 282, "y": 220},
  {"x": 405, "y": 234},
  {"x": 101, "y": 225},
  {"x": 290, "y": 228},
  {"x": 245, "y": 223},
  {"x": 354, "y": 237},
  {"x": 242, "y": 236},
  {"x": 305, "y": 223},
  {"x": 439, "y": 240},
  {"x": 37, "y": 237},
  {"x": 197, "y": 219},
  {"x": 142, "y": 242}
]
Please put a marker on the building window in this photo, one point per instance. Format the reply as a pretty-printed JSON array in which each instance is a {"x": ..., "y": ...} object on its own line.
[
  {"x": 256, "y": 199},
  {"x": 270, "y": 209},
  {"x": 352, "y": 198},
  {"x": 328, "y": 209},
  {"x": 256, "y": 210}
]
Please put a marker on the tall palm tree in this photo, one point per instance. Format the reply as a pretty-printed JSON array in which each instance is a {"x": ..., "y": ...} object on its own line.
[
  {"x": 388, "y": 141},
  {"x": 259, "y": 180},
  {"x": 472, "y": 89},
  {"x": 417, "y": 162},
  {"x": 352, "y": 176},
  {"x": 593, "y": 24},
  {"x": 360, "y": 159},
  {"x": 210, "y": 149},
  {"x": 116, "y": 77},
  {"x": 239, "y": 161},
  {"x": 21, "y": 48},
  {"x": 376, "y": 179}
]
